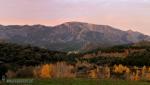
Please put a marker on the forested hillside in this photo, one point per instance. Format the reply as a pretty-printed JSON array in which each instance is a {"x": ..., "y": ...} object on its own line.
[
  {"x": 20, "y": 55},
  {"x": 28, "y": 55},
  {"x": 131, "y": 54}
]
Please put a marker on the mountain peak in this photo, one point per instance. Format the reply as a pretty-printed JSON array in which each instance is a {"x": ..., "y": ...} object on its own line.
[
  {"x": 74, "y": 22},
  {"x": 130, "y": 30},
  {"x": 84, "y": 26},
  {"x": 80, "y": 24}
]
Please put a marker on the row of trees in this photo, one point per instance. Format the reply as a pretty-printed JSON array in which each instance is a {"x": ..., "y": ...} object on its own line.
[
  {"x": 64, "y": 70},
  {"x": 44, "y": 71},
  {"x": 19, "y": 55},
  {"x": 140, "y": 58},
  {"x": 121, "y": 48}
]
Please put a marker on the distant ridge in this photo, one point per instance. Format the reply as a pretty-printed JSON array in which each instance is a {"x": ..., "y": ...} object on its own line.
[{"x": 69, "y": 36}]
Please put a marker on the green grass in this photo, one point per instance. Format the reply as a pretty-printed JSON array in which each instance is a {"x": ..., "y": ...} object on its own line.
[{"x": 88, "y": 82}]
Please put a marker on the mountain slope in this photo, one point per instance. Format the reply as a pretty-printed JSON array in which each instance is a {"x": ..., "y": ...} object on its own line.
[{"x": 69, "y": 36}]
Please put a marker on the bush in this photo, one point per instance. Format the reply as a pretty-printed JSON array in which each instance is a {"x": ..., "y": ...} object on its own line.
[{"x": 25, "y": 72}]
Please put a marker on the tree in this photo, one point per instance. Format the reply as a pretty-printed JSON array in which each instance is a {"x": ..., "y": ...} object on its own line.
[
  {"x": 46, "y": 71},
  {"x": 3, "y": 70}
]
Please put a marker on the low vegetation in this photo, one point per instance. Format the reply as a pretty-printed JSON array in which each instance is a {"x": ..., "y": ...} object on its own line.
[
  {"x": 32, "y": 62},
  {"x": 88, "y": 82}
]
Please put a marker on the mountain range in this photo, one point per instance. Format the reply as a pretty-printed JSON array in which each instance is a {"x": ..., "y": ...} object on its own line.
[{"x": 69, "y": 36}]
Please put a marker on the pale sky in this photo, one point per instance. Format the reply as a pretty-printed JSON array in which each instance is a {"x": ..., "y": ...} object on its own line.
[{"x": 122, "y": 14}]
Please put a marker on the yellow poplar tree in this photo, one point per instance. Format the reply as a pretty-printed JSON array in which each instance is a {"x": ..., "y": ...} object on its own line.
[
  {"x": 137, "y": 75},
  {"x": 93, "y": 73},
  {"x": 127, "y": 72},
  {"x": 143, "y": 71},
  {"x": 46, "y": 71},
  {"x": 107, "y": 72},
  {"x": 119, "y": 69}
]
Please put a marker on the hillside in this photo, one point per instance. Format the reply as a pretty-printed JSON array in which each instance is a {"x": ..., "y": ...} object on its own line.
[
  {"x": 129, "y": 54},
  {"x": 118, "y": 50},
  {"x": 20, "y": 55},
  {"x": 69, "y": 36}
]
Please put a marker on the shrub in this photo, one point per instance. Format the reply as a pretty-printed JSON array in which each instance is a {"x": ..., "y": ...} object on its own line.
[{"x": 25, "y": 72}]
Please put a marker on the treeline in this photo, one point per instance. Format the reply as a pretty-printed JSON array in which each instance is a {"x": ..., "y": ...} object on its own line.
[
  {"x": 141, "y": 58},
  {"x": 27, "y": 55},
  {"x": 121, "y": 48},
  {"x": 138, "y": 59}
]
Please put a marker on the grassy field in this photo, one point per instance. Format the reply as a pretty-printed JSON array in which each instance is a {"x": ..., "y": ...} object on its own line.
[{"x": 88, "y": 82}]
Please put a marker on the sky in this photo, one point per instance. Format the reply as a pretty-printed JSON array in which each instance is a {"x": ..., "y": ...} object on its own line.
[{"x": 122, "y": 14}]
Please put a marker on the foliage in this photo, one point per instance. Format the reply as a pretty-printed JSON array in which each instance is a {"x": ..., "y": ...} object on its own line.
[
  {"x": 104, "y": 60},
  {"x": 93, "y": 73},
  {"x": 138, "y": 59},
  {"x": 19, "y": 55},
  {"x": 57, "y": 70},
  {"x": 46, "y": 71},
  {"x": 24, "y": 72}
]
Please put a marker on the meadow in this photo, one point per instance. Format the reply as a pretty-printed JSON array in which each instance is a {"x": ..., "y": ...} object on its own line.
[{"x": 88, "y": 82}]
